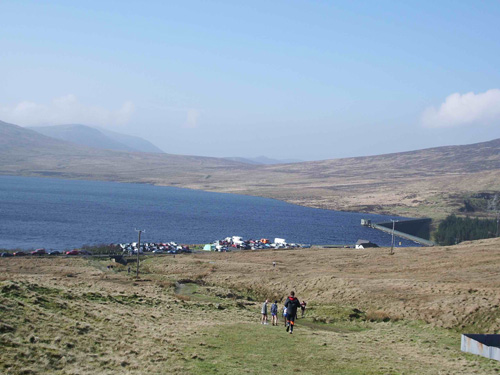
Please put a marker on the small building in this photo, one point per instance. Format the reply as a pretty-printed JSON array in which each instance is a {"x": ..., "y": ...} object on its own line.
[
  {"x": 209, "y": 247},
  {"x": 364, "y": 244}
]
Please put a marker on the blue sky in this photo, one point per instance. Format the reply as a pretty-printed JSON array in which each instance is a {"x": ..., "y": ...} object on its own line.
[{"x": 286, "y": 79}]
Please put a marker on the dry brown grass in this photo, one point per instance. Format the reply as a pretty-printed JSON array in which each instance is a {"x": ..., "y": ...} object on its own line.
[
  {"x": 363, "y": 313},
  {"x": 93, "y": 322},
  {"x": 182, "y": 297},
  {"x": 380, "y": 316},
  {"x": 449, "y": 287}
]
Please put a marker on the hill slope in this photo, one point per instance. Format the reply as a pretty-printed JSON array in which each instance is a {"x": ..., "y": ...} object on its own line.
[
  {"x": 98, "y": 138},
  {"x": 137, "y": 143},
  {"x": 431, "y": 182}
]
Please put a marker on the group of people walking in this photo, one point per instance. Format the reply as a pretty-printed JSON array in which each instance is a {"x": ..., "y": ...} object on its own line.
[{"x": 290, "y": 308}]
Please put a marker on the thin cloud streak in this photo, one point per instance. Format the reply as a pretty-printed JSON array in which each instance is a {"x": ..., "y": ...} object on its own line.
[{"x": 64, "y": 110}]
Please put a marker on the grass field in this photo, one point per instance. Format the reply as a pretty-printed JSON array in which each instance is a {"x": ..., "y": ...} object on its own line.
[{"x": 368, "y": 313}]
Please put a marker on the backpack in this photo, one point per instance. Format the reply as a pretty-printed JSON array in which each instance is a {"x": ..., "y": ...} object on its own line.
[{"x": 274, "y": 308}]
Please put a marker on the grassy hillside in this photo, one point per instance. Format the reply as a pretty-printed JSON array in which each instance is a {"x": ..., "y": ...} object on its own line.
[
  {"x": 432, "y": 182},
  {"x": 368, "y": 312}
]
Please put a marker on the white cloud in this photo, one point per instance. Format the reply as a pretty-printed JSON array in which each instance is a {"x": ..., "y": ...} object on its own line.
[
  {"x": 65, "y": 110},
  {"x": 466, "y": 109},
  {"x": 192, "y": 119}
]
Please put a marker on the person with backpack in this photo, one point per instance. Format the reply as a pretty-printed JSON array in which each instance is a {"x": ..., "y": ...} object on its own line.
[
  {"x": 292, "y": 304},
  {"x": 274, "y": 313}
]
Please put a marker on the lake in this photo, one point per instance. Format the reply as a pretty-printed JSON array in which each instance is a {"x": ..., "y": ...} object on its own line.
[{"x": 62, "y": 214}]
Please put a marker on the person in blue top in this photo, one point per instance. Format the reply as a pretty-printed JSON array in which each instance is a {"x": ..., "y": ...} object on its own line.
[{"x": 274, "y": 313}]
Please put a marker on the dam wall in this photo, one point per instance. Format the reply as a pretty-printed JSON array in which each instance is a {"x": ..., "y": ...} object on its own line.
[
  {"x": 415, "y": 227},
  {"x": 417, "y": 230}
]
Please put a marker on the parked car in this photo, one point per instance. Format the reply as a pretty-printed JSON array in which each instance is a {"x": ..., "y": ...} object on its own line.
[
  {"x": 54, "y": 252},
  {"x": 84, "y": 252},
  {"x": 19, "y": 253},
  {"x": 4, "y": 255},
  {"x": 39, "y": 252},
  {"x": 72, "y": 252}
]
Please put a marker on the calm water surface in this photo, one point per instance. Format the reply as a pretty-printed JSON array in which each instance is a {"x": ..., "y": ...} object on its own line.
[{"x": 62, "y": 214}]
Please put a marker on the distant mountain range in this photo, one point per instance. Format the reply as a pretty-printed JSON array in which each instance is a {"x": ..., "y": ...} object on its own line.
[
  {"x": 97, "y": 138},
  {"x": 25, "y": 151},
  {"x": 430, "y": 182}
]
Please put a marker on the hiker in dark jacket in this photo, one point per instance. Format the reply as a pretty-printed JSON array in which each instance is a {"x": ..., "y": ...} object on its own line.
[{"x": 292, "y": 304}]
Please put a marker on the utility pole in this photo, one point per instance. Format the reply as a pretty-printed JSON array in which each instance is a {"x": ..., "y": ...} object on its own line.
[
  {"x": 138, "y": 250},
  {"x": 392, "y": 242}
]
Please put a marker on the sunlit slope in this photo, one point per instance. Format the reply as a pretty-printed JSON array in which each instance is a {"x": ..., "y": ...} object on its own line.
[{"x": 430, "y": 182}]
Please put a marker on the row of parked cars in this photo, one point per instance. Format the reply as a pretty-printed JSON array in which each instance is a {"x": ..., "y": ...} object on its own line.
[
  {"x": 154, "y": 247},
  {"x": 131, "y": 248},
  {"x": 126, "y": 248},
  {"x": 238, "y": 242},
  {"x": 41, "y": 252}
]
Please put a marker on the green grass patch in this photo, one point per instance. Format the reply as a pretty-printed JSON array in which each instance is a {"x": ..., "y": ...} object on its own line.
[
  {"x": 260, "y": 349},
  {"x": 346, "y": 347}
]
